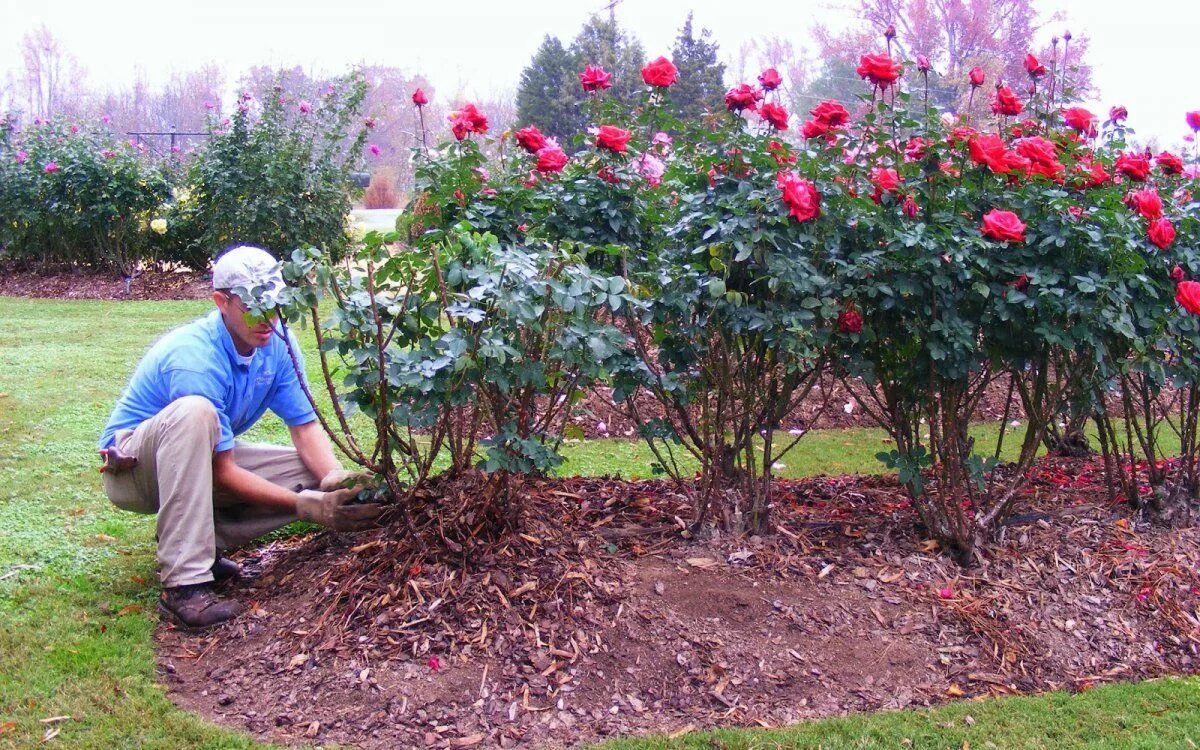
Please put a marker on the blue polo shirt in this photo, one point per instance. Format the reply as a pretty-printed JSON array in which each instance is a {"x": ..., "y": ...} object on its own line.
[{"x": 200, "y": 359}]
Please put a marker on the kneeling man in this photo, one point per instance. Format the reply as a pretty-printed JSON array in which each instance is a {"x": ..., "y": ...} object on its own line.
[{"x": 169, "y": 447}]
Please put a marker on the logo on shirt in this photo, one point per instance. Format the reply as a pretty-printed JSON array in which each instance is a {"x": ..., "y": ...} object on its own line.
[{"x": 264, "y": 378}]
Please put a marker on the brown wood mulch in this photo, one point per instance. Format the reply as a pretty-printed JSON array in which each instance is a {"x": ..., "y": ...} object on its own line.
[
  {"x": 67, "y": 283},
  {"x": 600, "y": 619}
]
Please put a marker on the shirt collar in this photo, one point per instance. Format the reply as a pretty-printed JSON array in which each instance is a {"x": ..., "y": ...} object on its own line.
[{"x": 222, "y": 334}]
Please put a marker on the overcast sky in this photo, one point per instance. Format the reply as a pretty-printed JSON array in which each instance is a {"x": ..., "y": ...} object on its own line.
[{"x": 1145, "y": 52}]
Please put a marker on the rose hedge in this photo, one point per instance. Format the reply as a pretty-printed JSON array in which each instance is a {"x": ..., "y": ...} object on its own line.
[{"x": 928, "y": 255}]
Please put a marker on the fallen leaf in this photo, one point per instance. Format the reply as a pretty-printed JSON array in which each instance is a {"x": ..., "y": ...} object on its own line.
[
  {"x": 129, "y": 609},
  {"x": 297, "y": 660},
  {"x": 955, "y": 691},
  {"x": 704, "y": 563},
  {"x": 313, "y": 729},
  {"x": 7, "y": 726},
  {"x": 104, "y": 538},
  {"x": 50, "y": 734},
  {"x": 468, "y": 741}
]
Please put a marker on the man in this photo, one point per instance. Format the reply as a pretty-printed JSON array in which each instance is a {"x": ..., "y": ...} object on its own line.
[{"x": 169, "y": 445}]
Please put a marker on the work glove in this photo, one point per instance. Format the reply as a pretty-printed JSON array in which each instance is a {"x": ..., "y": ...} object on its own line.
[
  {"x": 333, "y": 510},
  {"x": 113, "y": 461},
  {"x": 342, "y": 478}
]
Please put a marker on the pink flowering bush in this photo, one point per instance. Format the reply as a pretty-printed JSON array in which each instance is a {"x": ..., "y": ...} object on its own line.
[{"x": 75, "y": 194}]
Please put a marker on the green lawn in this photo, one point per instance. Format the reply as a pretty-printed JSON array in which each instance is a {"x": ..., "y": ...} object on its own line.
[{"x": 77, "y": 594}]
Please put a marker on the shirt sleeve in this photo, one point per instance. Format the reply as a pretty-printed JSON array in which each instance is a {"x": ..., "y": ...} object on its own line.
[
  {"x": 289, "y": 402},
  {"x": 184, "y": 382}
]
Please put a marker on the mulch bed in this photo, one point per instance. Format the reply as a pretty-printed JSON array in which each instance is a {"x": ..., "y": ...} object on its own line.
[
  {"x": 601, "y": 619},
  {"x": 59, "y": 283}
]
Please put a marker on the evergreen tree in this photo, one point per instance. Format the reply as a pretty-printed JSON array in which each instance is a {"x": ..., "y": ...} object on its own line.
[
  {"x": 701, "y": 85},
  {"x": 547, "y": 95}
]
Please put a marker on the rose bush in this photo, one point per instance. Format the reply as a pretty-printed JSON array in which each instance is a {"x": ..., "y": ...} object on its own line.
[
  {"x": 74, "y": 193},
  {"x": 720, "y": 271}
]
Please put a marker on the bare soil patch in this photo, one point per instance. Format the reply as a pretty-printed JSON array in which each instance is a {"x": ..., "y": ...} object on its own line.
[{"x": 600, "y": 619}]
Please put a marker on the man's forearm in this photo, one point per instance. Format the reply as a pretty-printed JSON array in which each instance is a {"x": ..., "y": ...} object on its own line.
[
  {"x": 314, "y": 448},
  {"x": 248, "y": 486}
]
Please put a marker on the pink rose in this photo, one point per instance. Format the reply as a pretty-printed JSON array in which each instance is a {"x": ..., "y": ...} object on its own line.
[
  {"x": 419, "y": 98},
  {"x": 1002, "y": 226}
]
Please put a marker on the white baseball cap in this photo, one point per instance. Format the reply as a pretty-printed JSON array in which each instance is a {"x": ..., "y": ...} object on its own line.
[{"x": 248, "y": 267}]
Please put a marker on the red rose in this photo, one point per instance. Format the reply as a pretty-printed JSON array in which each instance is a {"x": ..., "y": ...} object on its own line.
[
  {"x": 1118, "y": 113},
  {"x": 1193, "y": 120},
  {"x": 976, "y": 76},
  {"x": 830, "y": 113},
  {"x": 1169, "y": 163},
  {"x": 911, "y": 209},
  {"x": 1079, "y": 119},
  {"x": 595, "y": 78},
  {"x": 961, "y": 134},
  {"x": 551, "y": 159},
  {"x": 770, "y": 79},
  {"x": 917, "y": 148},
  {"x": 1093, "y": 173},
  {"x": 1134, "y": 166},
  {"x": 813, "y": 129},
  {"x": 1002, "y": 226},
  {"x": 880, "y": 70},
  {"x": 1034, "y": 68},
  {"x": 800, "y": 196},
  {"x": 1176, "y": 274},
  {"x": 1145, "y": 202},
  {"x": 1187, "y": 293},
  {"x": 742, "y": 97},
  {"x": 1005, "y": 102},
  {"x": 774, "y": 114},
  {"x": 1161, "y": 233},
  {"x": 660, "y": 73},
  {"x": 419, "y": 98},
  {"x": 989, "y": 151},
  {"x": 612, "y": 138},
  {"x": 885, "y": 179},
  {"x": 1021, "y": 283},
  {"x": 1037, "y": 149},
  {"x": 1017, "y": 164},
  {"x": 467, "y": 120},
  {"x": 849, "y": 321},
  {"x": 531, "y": 139},
  {"x": 608, "y": 175}
]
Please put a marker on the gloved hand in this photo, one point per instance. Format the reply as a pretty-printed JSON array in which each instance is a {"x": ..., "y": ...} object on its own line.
[
  {"x": 333, "y": 510},
  {"x": 341, "y": 478}
]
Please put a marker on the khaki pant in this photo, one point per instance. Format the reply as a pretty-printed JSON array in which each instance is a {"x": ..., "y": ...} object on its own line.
[{"x": 173, "y": 478}]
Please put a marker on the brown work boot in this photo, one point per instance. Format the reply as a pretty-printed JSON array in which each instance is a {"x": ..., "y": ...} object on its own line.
[
  {"x": 224, "y": 569},
  {"x": 196, "y": 606}
]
